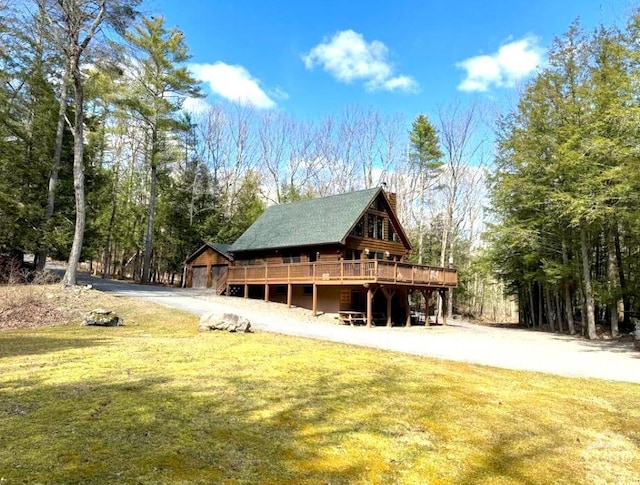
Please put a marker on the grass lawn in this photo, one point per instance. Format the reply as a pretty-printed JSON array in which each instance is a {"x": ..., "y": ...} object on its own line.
[{"x": 155, "y": 401}]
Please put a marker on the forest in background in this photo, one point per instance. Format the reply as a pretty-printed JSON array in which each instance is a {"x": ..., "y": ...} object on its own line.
[{"x": 93, "y": 111}]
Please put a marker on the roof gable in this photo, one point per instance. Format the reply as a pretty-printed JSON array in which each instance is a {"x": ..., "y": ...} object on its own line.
[
  {"x": 223, "y": 249},
  {"x": 393, "y": 217},
  {"x": 324, "y": 220}
]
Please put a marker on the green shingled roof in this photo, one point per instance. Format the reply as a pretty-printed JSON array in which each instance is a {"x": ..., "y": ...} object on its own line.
[
  {"x": 221, "y": 248},
  {"x": 309, "y": 222}
]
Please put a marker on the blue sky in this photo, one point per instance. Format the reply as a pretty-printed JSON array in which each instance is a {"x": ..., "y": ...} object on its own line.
[{"x": 313, "y": 58}]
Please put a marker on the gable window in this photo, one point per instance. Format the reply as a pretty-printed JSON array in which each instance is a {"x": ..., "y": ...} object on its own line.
[
  {"x": 391, "y": 234},
  {"x": 377, "y": 205},
  {"x": 358, "y": 229},
  {"x": 371, "y": 226},
  {"x": 375, "y": 226},
  {"x": 379, "y": 226}
]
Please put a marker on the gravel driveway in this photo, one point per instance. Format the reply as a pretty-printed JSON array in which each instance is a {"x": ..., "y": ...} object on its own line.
[{"x": 459, "y": 341}]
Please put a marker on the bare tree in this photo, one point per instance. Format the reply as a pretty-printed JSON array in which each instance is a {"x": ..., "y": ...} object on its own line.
[
  {"x": 79, "y": 22},
  {"x": 464, "y": 141},
  {"x": 274, "y": 136}
]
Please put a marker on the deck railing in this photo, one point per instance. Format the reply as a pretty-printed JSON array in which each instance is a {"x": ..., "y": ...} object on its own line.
[{"x": 343, "y": 272}]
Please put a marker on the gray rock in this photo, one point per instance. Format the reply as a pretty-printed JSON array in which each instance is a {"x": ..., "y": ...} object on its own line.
[
  {"x": 102, "y": 318},
  {"x": 224, "y": 321}
]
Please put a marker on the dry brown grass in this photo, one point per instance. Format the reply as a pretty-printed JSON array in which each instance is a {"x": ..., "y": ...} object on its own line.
[{"x": 30, "y": 306}]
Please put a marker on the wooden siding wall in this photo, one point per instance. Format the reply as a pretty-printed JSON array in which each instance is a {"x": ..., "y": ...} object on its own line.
[
  {"x": 327, "y": 253},
  {"x": 208, "y": 258},
  {"x": 328, "y": 297},
  {"x": 377, "y": 245}
]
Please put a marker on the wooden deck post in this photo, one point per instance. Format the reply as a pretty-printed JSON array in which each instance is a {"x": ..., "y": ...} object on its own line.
[
  {"x": 443, "y": 294},
  {"x": 289, "y": 294},
  {"x": 388, "y": 294},
  {"x": 369, "y": 306},
  {"x": 314, "y": 300},
  {"x": 389, "y": 297},
  {"x": 246, "y": 290},
  {"x": 408, "y": 323},
  {"x": 427, "y": 297},
  {"x": 266, "y": 292}
]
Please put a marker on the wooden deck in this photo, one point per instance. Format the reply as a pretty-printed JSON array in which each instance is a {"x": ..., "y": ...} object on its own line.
[{"x": 344, "y": 273}]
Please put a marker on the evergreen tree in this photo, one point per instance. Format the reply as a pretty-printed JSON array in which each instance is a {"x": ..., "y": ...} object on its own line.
[
  {"x": 425, "y": 160},
  {"x": 161, "y": 84}
]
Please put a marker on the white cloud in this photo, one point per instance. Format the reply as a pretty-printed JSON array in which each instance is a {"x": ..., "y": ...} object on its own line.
[
  {"x": 348, "y": 57},
  {"x": 512, "y": 62},
  {"x": 234, "y": 83},
  {"x": 195, "y": 105}
]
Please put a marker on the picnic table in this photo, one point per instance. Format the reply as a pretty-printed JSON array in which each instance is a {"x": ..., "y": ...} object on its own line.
[{"x": 354, "y": 317}]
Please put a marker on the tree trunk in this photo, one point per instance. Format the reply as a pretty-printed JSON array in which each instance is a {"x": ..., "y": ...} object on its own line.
[
  {"x": 78, "y": 177},
  {"x": 148, "y": 242},
  {"x": 107, "y": 250},
  {"x": 540, "y": 305},
  {"x": 450, "y": 263},
  {"x": 568, "y": 302},
  {"x": 443, "y": 255},
  {"x": 55, "y": 167},
  {"x": 558, "y": 307},
  {"x": 588, "y": 292},
  {"x": 548, "y": 305},
  {"x": 613, "y": 283},
  {"x": 532, "y": 312},
  {"x": 626, "y": 301}
]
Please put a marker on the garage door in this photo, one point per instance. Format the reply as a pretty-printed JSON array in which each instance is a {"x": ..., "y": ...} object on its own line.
[{"x": 199, "y": 277}]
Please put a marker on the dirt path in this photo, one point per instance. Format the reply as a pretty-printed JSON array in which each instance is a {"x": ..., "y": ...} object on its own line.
[{"x": 460, "y": 341}]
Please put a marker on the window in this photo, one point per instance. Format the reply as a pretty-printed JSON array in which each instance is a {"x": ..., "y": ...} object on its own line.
[
  {"x": 358, "y": 230},
  {"x": 391, "y": 234},
  {"x": 379, "y": 227},
  {"x": 377, "y": 205},
  {"x": 307, "y": 290},
  {"x": 281, "y": 290},
  {"x": 353, "y": 254},
  {"x": 291, "y": 257},
  {"x": 371, "y": 226}
]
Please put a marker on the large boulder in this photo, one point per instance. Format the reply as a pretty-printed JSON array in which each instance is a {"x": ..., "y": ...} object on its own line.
[
  {"x": 224, "y": 321},
  {"x": 102, "y": 318}
]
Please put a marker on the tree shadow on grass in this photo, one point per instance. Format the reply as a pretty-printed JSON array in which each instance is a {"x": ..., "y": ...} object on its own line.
[
  {"x": 510, "y": 458},
  {"x": 13, "y": 345},
  {"x": 148, "y": 431},
  {"x": 246, "y": 428}
]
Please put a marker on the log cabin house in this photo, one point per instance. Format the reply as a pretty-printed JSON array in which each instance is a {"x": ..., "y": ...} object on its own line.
[
  {"x": 345, "y": 254},
  {"x": 207, "y": 267}
]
